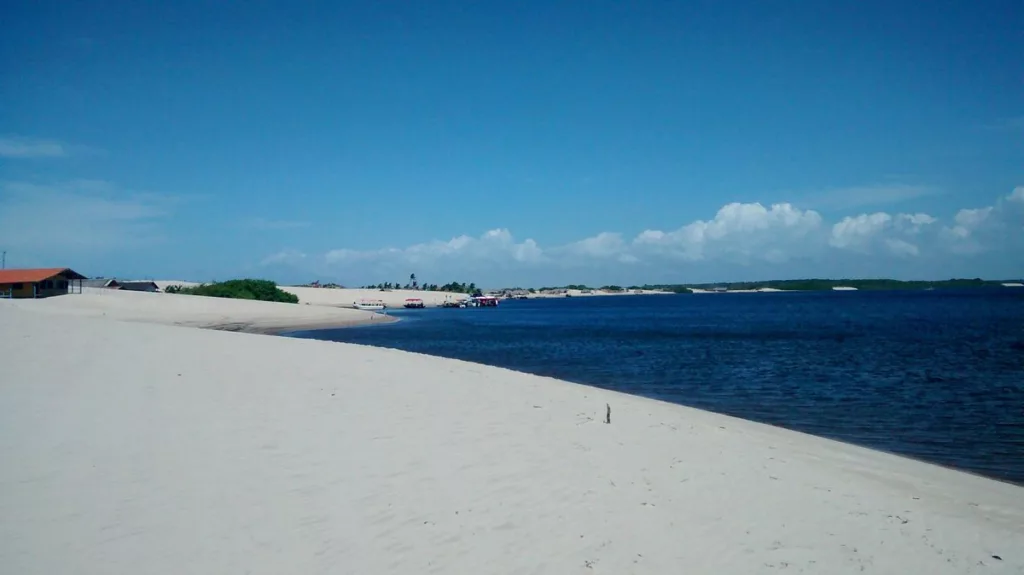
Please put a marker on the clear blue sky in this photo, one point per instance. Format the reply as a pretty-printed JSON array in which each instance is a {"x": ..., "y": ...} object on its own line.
[{"x": 504, "y": 143}]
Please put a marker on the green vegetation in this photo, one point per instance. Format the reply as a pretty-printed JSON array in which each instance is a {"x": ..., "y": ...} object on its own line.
[
  {"x": 456, "y": 287},
  {"x": 615, "y": 288},
  {"x": 669, "y": 288},
  {"x": 452, "y": 287},
  {"x": 261, "y": 290},
  {"x": 581, "y": 287}
]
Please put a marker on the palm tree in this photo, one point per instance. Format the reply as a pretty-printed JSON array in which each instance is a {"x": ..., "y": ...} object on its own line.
[{"x": 412, "y": 280}]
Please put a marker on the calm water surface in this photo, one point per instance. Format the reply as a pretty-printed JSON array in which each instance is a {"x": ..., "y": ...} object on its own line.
[{"x": 934, "y": 375}]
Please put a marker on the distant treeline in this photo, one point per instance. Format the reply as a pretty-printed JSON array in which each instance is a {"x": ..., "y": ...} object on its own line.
[
  {"x": 796, "y": 285},
  {"x": 860, "y": 284},
  {"x": 616, "y": 288},
  {"x": 261, "y": 290},
  {"x": 452, "y": 287}
]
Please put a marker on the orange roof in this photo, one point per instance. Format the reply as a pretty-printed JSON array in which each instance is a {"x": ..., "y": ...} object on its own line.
[{"x": 36, "y": 275}]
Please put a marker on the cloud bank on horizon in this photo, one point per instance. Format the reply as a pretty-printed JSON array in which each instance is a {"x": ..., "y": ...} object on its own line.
[
  {"x": 100, "y": 225},
  {"x": 796, "y": 242}
]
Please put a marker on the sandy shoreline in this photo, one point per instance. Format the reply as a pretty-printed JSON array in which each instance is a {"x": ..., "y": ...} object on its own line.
[
  {"x": 202, "y": 312},
  {"x": 346, "y": 297},
  {"x": 287, "y": 327},
  {"x": 132, "y": 447},
  {"x": 244, "y": 327}
]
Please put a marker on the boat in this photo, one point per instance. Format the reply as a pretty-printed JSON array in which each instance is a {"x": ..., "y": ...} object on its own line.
[
  {"x": 414, "y": 303},
  {"x": 484, "y": 301},
  {"x": 369, "y": 305}
]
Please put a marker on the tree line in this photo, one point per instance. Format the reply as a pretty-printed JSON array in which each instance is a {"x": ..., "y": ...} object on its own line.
[
  {"x": 861, "y": 284},
  {"x": 413, "y": 284},
  {"x": 813, "y": 284},
  {"x": 618, "y": 288}
]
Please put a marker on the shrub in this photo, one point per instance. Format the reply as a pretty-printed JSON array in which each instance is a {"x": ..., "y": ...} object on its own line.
[{"x": 260, "y": 290}]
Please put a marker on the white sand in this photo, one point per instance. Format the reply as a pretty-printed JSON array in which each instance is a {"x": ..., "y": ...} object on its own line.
[
  {"x": 396, "y": 298},
  {"x": 346, "y": 297},
  {"x": 757, "y": 290},
  {"x": 150, "y": 449},
  {"x": 198, "y": 311},
  {"x": 594, "y": 293}
]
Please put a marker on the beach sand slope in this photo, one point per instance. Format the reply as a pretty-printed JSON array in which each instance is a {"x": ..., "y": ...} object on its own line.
[
  {"x": 152, "y": 449},
  {"x": 198, "y": 311}
]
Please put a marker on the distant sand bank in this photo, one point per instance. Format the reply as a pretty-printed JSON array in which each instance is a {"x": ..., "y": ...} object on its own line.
[
  {"x": 758, "y": 290},
  {"x": 594, "y": 293},
  {"x": 394, "y": 299},
  {"x": 152, "y": 449}
]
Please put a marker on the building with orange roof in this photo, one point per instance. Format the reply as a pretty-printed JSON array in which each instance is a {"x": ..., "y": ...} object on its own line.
[{"x": 41, "y": 282}]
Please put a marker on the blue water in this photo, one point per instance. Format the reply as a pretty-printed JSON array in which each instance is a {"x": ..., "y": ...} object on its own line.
[{"x": 937, "y": 375}]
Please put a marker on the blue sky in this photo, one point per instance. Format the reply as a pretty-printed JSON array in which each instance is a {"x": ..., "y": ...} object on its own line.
[{"x": 514, "y": 143}]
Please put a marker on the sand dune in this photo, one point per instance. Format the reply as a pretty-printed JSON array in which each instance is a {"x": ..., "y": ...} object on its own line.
[
  {"x": 198, "y": 311},
  {"x": 149, "y": 449},
  {"x": 346, "y": 297}
]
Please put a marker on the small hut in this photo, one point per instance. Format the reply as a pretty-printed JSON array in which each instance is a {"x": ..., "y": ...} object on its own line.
[{"x": 40, "y": 282}]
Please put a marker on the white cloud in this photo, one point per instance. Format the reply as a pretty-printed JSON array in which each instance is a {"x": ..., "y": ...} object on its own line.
[
  {"x": 971, "y": 219},
  {"x": 863, "y": 196},
  {"x": 82, "y": 215},
  {"x": 901, "y": 247},
  {"x": 602, "y": 246},
  {"x": 913, "y": 223},
  {"x": 13, "y": 147},
  {"x": 858, "y": 231},
  {"x": 977, "y": 230},
  {"x": 739, "y": 232},
  {"x": 493, "y": 246},
  {"x": 881, "y": 233},
  {"x": 743, "y": 234}
]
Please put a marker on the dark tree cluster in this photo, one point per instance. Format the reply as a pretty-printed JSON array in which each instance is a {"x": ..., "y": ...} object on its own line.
[{"x": 260, "y": 290}]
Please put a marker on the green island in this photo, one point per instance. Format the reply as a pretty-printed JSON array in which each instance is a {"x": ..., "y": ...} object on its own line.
[{"x": 261, "y": 290}]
